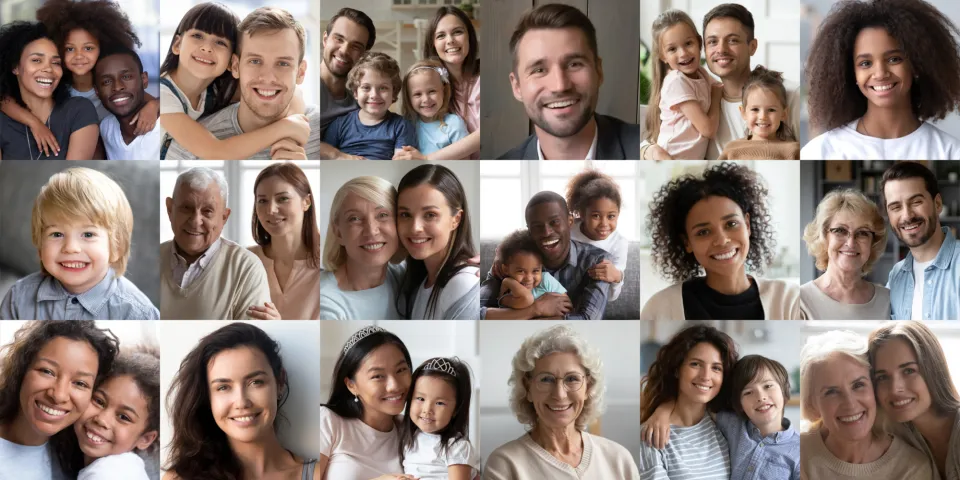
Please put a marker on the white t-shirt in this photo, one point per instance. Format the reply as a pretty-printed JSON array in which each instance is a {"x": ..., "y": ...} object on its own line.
[
  {"x": 616, "y": 245},
  {"x": 22, "y": 462},
  {"x": 144, "y": 147},
  {"x": 845, "y": 143},
  {"x": 170, "y": 102},
  {"x": 125, "y": 466},
  {"x": 91, "y": 95},
  {"x": 458, "y": 286},
  {"x": 916, "y": 312},
  {"x": 425, "y": 462},
  {"x": 355, "y": 450}
]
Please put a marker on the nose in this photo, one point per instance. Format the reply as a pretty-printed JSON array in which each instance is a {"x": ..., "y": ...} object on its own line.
[
  {"x": 274, "y": 208},
  {"x": 71, "y": 244},
  {"x": 393, "y": 384},
  {"x": 559, "y": 391},
  {"x": 720, "y": 238},
  {"x": 101, "y": 418},
  {"x": 896, "y": 382},
  {"x": 371, "y": 227},
  {"x": 60, "y": 391},
  {"x": 560, "y": 80},
  {"x": 417, "y": 224}
]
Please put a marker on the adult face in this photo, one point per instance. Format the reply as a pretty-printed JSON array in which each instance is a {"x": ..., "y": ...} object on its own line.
[
  {"x": 884, "y": 73},
  {"x": 367, "y": 231},
  {"x": 901, "y": 389},
  {"x": 116, "y": 420},
  {"x": 718, "y": 235},
  {"x": 382, "y": 381},
  {"x": 80, "y": 50},
  {"x": 842, "y": 396},
  {"x": 58, "y": 385},
  {"x": 243, "y": 393},
  {"x": 913, "y": 213},
  {"x": 701, "y": 374},
  {"x": 849, "y": 240},
  {"x": 549, "y": 224},
  {"x": 727, "y": 47},
  {"x": 197, "y": 217},
  {"x": 269, "y": 69},
  {"x": 120, "y": 84},
  {"x": 558, "y": 389},
  {"x": 280, "y": 208},
  {"x": 558, "y": 78},
  {"x": 343, "y": 46},
  {"x": 451, "y": 40},
  {"x": 426, "y": 222},
  {"x": 39, "y": 70}
]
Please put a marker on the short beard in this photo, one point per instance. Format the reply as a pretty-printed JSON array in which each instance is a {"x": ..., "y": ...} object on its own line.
[
  {"x": 927, "y": 234},
  {"x": 581, "y": 122}
]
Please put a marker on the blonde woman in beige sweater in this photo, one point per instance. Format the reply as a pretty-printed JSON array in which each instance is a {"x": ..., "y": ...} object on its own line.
[{"x": 845, "y": 440}]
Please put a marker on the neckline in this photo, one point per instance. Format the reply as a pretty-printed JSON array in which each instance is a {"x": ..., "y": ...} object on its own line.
[{"x": 544, "y": 454}]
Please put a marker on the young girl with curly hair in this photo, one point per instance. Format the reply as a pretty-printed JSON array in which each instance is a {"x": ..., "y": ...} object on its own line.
[
  {"x": 707, "y": 232},
  {"x": 766, "y": 114},
  {"x": 878, "y": 71},
  {"x": 594, "y": 200}
]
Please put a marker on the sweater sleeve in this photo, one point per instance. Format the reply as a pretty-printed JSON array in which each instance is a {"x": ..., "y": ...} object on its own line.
[
  {"x": 253, "y": 287},
  {"x": 499, "y": 467}
]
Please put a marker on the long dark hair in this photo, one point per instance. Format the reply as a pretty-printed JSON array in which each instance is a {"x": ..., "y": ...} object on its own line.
[
  {"x": 14, "y": 38},
  {"x": 461, "y": 246},
  {"x": 199, "y": 448},
  {"x": 471, "y": 64},
  {"x": 309, "y": 234},
  {"x": 458, "y": 428},
  {"x": 212, "y": 18},
  {"x": 341, "y": 401}
]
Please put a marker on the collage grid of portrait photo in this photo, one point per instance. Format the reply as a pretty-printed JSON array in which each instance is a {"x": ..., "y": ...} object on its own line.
[{"x": 696, "y": 240}]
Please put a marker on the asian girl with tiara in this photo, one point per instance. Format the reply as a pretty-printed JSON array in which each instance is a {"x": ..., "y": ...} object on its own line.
[{"x": 764, "y": 110}]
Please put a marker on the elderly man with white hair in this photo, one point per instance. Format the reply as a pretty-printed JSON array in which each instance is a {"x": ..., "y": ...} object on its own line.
[
  {"x": 558, "y": 391},
  {"x": 204, "y": 276},
  {"x": 845, "y": 439}
]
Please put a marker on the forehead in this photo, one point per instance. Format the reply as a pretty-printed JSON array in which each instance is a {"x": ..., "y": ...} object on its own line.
[
  {"x": 544, "y": 211},
  {"x": 894, "y": 352},
  {"x": 436, "y": 386},
  {"x": 115, "y": 63},
  {"x": 277, "y": 43},
  {"x": 846, "y": 217},
  {"x": 68, "y": 352},
  {"x": 839, "y": 368},
  {"x": 371, "y": 75},
  {"x": 356, "y": 202},
  {"x": 874, "y": 40},
  {"x": 210, "y": 194},
  {"x": 424, "y": 77},
  {"x": 384, "y": 356},
  {"x": 724, "y": 26},
  {"x": 350, "y": 30},
  {"x": 274, "y": 183},
  {"x": 712, "y": 208},
  {"x": 423, "y": 194},
  {"x": 123, "y": 389},
  {"x": 602, "y": 203},
  {"x": 237, "y": 362},
  {"x": 449, "y": 22},
  {"x": 42, "y": 45},
  {"x": 559, "y": 363},
  {"x": 762, "y": 96},
  {"x": 898, "y": 190},
  {"x": 678, "y": 32},
  {"x": 79, "y": 35},
  {"x": 552, "y": 44},
  {"x": 62, "y": 221},
  {"x": 705, "y": 351},
  {"x": 524, "y": 259}
]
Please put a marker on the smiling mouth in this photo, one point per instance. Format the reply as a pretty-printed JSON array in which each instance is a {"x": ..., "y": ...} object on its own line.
[
  {"x": 726, "y": 255},
  {"x": 882, "y": 88},
  {"x": 560, "y": 409},
  {"x": 266, "y": 93},
  {"x": 702, "y": 388},
  {"x": 452, "y": 50},
  {"x": 849, "y": 254},
  {"x": 204, "y": 61},
  {"x": 45, "y": 82},
  {"x": 550, "y": 244},
  {"x": 418, "y": 241},
  {"x": 50, "y": 410},
  {"x": 373, "y": 247},
  {"x": 276, "y": 222},
  {"x": 246, "y": 419},
  {"x": 426, "y": 420},
  {"x": 121, "y": 100},
  {"x": 74, "y": 265},
  {"x": 561, "y": 104},
  {"x": 911, "y": 227},
  {"x": 393, "y": 399},
  {"x": 722, "y": 61},
  {"x": 684, "y": 63},
  {"x": 852, "y": 418},
  {"x": 761, "y": 125},
  {"x": 193, "y": 234},
  {"x": 764, "y": 408},
  {"x": 902, "y": 403},
  {"x": 94, "y": 438}
]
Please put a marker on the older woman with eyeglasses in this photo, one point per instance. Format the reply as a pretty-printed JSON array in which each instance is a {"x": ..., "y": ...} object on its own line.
[
  {"x": 558, "y": 391},
  {"x": 846, "y": 238}
]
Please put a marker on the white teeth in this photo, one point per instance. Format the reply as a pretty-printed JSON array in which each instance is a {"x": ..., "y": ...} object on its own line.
[
  {"x": 851, "y": 418},
  {"x": 51, "y": 411},
  {"x": 248, "y": 418},
  {"x": 73, "y": 264},
  {"x": 452, "y": 50},
  {"x": 393, "y": 399},
  {"x": 702, "y": 387},
  {"x": 95, "y": 438},
  {"x": 561, "y": 104},
  {"x": 418, "y": 241},
  {"x": 267, "y": 93},
  {"x": 45, "y": 81},
  {"x": 764, "y": 408},
  {"x": 850, "y": 254},
  {"x": 558, "y": 409},
  {"x": 374, "y": 246},
  {"x": 881, "y": 88},
  {"x": 203, "y": 60},
  {"x": 723, "y": 61},
  {"x": 901, "y": 403},
  {"x": 725, "y": 256},
  {"x": 550, "y": 243},
  {"x": 912, "y": 226}
]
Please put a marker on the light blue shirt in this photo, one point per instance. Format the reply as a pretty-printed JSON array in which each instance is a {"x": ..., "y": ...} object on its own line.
[
  {"x": 377, "y": 303},
  {"x": 432, "y": 136},
  {"x": 941, "y": 294},
  {"x": 753, "y": 457},
  {"x": 548, "y": 284},
  {"x": 40, "y": 296}
]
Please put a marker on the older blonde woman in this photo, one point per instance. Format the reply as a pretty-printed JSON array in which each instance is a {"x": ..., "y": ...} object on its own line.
[
  {"x": 558, "y": 390},
  {"x": 845, "y": 440},
  {"x": 846, "y": 238}
]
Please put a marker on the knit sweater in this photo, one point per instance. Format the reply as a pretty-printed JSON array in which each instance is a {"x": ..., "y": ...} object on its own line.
[
  {"x": 915, "y": 439},
  {"x": 899, "y": 462},
  {"x": 760, "y": 150},
  {"x": 523, "y": 458},
  {"x": 233, "y": 281},
  {"x": 781, "y": 301}
]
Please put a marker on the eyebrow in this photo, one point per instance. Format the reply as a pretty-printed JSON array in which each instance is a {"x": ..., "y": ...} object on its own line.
[
  {"x": 40, "y": 54},
  {"x": 902, "y": 365},
  {"x": 704, "y": 361},
  {"x": 681, "y": 41},
  {"x": 246, "y": 377},
  {"x": 55, "y": 364},
  {"x": 275, "y": 194},
  {"x": 374, "y": 369},
  {"x": 425, "y": 207},
  {"x": 420, "y": 393},
  {"x": 564, "y": 59},
  {"x": 285, "y": 57},
  {"x": 907, "y": 200},
  {"x": 724, "y": 36},
  {"x": 725, "y": 217},
  {"x": 853, "y": 381},
  {"x": 888, "y": 52}
]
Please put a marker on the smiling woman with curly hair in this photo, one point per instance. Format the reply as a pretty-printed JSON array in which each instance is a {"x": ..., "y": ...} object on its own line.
[
  {"x": 877, "y": 71},
  {"x": 707, "y": 231}
]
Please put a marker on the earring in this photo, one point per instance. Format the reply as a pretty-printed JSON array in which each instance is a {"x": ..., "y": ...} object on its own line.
[{"x": 356, "y": 399}]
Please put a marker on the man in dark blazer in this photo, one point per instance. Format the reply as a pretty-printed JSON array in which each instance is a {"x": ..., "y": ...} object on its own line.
[{"x": 557, "y": 74}]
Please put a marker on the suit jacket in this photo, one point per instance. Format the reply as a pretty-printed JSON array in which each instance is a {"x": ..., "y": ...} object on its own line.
[{"x": 616, "y": 140}]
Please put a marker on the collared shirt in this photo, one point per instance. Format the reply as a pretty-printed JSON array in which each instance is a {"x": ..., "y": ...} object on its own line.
[
  {"x": 590, "y": 153},
  {"x": 941, "y": 292},
  {"x": 589, "y": 296},
  {"x": 755, "y": 457},
  {"x": 40, "y": 296},
  {"x": 184, "y": 273}
]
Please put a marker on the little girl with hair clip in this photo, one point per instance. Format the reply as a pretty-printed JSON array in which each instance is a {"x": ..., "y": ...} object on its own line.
[
  {"x": 434, "y": 443},
  {"x": 765, "y": 111},
  {"x": 426, "y": 103},
  {"x": 594, "y": 201},
  {"x": 685, "y": 104}
]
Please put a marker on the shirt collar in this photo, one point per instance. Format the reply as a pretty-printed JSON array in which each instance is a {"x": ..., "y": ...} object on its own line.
[
  {"x": 591, "y": 154},
  {"x": 944, "y": 256},
  {"x": 92, "y": 300},
  {"x": 574, "y": 253},
  {"x": 786, "y": 435},
  {"x": 204, "y": 258}
]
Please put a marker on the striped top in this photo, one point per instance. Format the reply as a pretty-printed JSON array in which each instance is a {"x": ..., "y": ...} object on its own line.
[{"x": 698, "y": 452}]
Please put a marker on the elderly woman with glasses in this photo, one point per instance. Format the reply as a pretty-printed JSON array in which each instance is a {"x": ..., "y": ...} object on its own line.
[
  {"x": 558, "y": 391},
  {"x": 846, "y": 238}
]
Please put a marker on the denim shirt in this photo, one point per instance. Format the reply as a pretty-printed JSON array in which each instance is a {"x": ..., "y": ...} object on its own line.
[
  {"x": 941, "y": 294},
  {"x": 40, "y": 296},
  {"x": 754, "y": 457}
]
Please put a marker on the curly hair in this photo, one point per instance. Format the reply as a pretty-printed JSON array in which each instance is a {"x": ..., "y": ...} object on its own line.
[
  {"x": 587, "y": 186},
  {"x": 926, "y": 36},
  {"x": 518, "y": 241},
  {"x": 666, "y": 222},
  {"x": 853, "y": 202},
  {"x": 14, "y": 38},
  {"x": 380, "y": 62},
  {"x": 661, "y": 383},
  {"x": 771, "y": 81}
]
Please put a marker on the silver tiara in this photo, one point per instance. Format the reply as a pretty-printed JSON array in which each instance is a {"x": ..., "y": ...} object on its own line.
[
  {"x": 444, "y": 74},
  {"x": 360, "y": 335},
  {"x": 441, "y": 365}
]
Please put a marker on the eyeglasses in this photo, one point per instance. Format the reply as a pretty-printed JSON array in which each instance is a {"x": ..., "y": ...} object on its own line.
[
  {"x": 546, "y": 382},
  {"x": 861, "y": 235}
]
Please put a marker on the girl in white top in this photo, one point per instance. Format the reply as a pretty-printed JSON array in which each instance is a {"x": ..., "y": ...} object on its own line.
[
  {"x": 684, "y": 112},
  {"x": 434, "y": 432},
  {"x": 872, "y": 90}
]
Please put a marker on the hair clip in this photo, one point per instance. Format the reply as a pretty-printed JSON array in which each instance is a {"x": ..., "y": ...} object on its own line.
[
  {"x": 360, "y": 335},
  {"x": 442, "y": 365},
  {"x": 444, "y": 74}
]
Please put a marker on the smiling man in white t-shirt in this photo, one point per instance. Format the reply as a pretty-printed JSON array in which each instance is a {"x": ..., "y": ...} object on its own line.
[{"x": 120, "y": 82}]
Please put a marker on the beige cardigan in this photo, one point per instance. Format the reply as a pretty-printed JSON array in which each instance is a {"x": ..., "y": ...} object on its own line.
[
  {"x": 780, "y": 300},
  {"x": 899, "y": 462},
  {"x": 525, "y": 459}
]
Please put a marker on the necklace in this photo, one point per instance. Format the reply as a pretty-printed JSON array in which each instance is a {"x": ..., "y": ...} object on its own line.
[
  {"x": 864, "y": 126},
  {"x": 26, "y": 134}
]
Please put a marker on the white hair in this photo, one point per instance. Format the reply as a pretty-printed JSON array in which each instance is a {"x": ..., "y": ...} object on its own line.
[
  {"x": 818, "y": 350},
  {"x": 199, "y": 178},
  {"x": 558, "y": 338}
]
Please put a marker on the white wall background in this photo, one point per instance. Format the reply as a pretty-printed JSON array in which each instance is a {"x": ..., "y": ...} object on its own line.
[
  {"x": 298, "y": 341},
  {"x": 618, "y": 344}
]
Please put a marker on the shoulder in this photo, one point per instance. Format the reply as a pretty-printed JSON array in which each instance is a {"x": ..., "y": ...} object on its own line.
[
  {"x": 780, "y": 299},
  {"x": 131, "y": 296},
  {"x": 519, "y": 152},
  {"x": 465, "y": 279},
  {"x": 831, "y": 143},
  {"x": 225, "y": 115},
  {"x": 508, "y": 453},
  {"x": 939, "y": 136},
  {"x": 590, "y": 252},
  {"x": 109, "y": 123},
  {"x": 609, "y": 449},
  {"x": 126, "y": 462},
  {"x": 663, "y": 304},
  {"x": 78, "y": 103},
  {"x": 30, "y": 283}
]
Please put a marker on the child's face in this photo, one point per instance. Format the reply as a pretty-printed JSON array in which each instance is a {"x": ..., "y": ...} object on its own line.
[
  {"x": 526, "y": 268},
  {"x": 763, "y": 113},
  {"x": 75, "y": 252},
  {"x": 39, "y": 70},
  {"x": 375, "y": 93},
  {"x": 680, "y": 48},
  {"x": 762, "y": 400},
  {"x": 434, "y": 401},
  {"x": 81, "y": 50},
  {"x": 425, "y": 222},
  {"x": 243, "y": 393},
  {"x": 601, "y": 219},
  {"x": 701, "y": 374},
  {"x": 425, "y": 93},
  {"x": 883, "y": 71},
  {"x": 203, "y": 55},
  {"x": 115, "y": 421},
  {"x": 58, "y": 384}
]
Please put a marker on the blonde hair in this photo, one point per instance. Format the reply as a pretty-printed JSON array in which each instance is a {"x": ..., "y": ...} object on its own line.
[
  {"x": 856, "y": 203},
  {"x": 379, "y": 62},
  {"x": 372, "y": 189},
  {"x": 82, "y": 193},
  {"x": 660, "y": 68},
  {"x": 420, "y": 68}
]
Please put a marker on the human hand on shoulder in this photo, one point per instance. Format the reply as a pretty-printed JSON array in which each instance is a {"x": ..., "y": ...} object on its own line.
[{"x": 147, "y": 117}]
